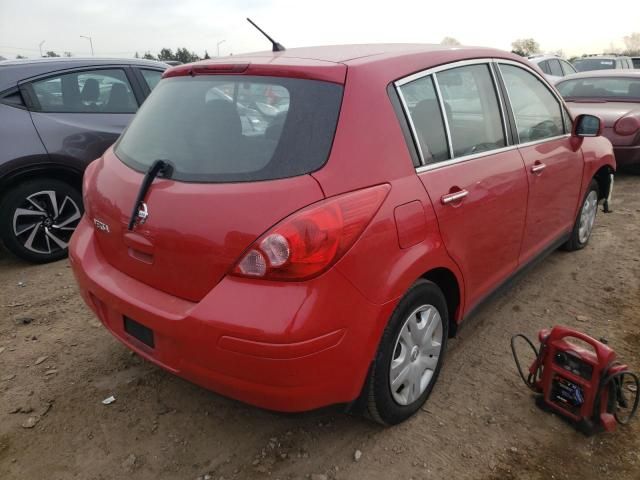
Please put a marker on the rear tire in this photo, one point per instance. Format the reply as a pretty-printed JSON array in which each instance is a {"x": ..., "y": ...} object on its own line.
[
  {"x": 410, "y": 355},
  {"x": 37, "y": 218},
  {"x": 583, "y": 227}
]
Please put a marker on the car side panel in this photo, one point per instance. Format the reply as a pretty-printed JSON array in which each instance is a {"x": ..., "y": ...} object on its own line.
[
  {"x": 554, "y": 192},
  {"x": 19, "y": 139},
  {"x": 85, "y": 136}
]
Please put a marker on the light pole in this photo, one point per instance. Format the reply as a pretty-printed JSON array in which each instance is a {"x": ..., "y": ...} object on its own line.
[
  {"x": 41, "y": 43},
  {"x": 90, "y": 42},
  {"x": 218, "y": 46}
]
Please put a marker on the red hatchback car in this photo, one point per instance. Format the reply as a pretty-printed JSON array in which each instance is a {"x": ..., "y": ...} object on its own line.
[{"x": 308, "y": 227}]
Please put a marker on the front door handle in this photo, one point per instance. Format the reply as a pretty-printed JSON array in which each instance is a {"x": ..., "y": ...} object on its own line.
[
  {"x": 538, "y": 168},
  {"x": 452, "y": 197}
]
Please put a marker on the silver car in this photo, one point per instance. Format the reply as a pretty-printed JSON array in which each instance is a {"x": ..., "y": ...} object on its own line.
[{"x": 553, "y": 67}]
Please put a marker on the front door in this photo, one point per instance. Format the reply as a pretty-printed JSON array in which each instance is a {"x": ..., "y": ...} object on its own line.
[{"x": 553, "y": 166}]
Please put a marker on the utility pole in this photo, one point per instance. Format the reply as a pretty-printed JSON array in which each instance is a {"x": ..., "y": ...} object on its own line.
[
  {"x": 90, "y": 42},
  {"x": 218, "y": 46},
  {"x": 41, "y": 43}
]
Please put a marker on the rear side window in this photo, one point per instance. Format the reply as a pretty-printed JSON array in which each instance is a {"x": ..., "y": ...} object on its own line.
[
  {"x": 95, "y": 91},
  {"x": 472, "y": 109},
  {"x": 544, "y": 66},
  {"x": 227, "y": 128},
  {"x": 151, "y": 77},
  {"x": 536, "y": 110},
  {"x": 426, "y": 118}
]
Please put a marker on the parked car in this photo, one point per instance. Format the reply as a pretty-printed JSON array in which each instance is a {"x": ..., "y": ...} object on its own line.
[
  {"x": 614, "y": 96},
  {"x": 56, "y": 116},
  {"x": 603, "y": 62},
  {"x": 329, "y": 259},
  {"x": 553, "y": 66},
  {"x": 636, "y": 62}
]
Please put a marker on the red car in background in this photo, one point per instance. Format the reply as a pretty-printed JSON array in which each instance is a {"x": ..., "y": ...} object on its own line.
[
  {"x": 327, "y": 258},
  {"x": 614, "y": 96}
]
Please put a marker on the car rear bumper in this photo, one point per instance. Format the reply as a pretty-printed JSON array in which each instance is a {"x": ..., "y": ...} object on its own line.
[
  {"x": 279, "y": 345},
  {"x": 626, "y": 156}
]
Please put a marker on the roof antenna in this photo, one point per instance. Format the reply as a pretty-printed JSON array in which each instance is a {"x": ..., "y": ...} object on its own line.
[{"x": 276, "y": 46}]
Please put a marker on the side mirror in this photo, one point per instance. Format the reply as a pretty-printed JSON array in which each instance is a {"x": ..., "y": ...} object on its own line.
[{"x": 587, "y": 126}]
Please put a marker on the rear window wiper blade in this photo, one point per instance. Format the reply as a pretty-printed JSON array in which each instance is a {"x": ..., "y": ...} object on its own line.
[{"x": 158, "y": 168}]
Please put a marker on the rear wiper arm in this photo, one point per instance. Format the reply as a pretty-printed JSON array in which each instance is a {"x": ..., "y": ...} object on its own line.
[{"x": 159, "y": 167}]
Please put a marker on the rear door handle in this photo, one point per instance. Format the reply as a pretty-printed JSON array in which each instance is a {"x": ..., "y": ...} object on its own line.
[
  {"x": 452, "y": 197},
  {"x": 538, "y": 167}
]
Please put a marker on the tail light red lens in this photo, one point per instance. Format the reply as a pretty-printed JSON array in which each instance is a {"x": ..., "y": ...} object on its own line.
[
  {"x": 309, "y": 241},
  {"x": 627, "y": 125}
]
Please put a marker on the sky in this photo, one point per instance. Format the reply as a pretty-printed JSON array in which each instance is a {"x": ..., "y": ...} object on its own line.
[{"x": 119, "y": 28}]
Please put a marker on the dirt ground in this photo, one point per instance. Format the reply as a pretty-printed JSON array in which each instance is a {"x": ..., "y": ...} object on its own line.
[{"x": 57, "y": 364}]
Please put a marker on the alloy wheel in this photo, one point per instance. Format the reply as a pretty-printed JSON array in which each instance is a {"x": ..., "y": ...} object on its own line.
[{"x": 45, "y": 221}]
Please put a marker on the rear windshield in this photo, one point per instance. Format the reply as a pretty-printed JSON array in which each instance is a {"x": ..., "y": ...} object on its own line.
[
  {"x": 621, "y": 88},
  {"x": 587, "y": 64},
  {"x": 234, "y": 128}
]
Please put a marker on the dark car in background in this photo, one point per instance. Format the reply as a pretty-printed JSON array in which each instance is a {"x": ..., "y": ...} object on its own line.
[
  {"x": 603, "y": 62},
  {"x": 56, "y": 116},
  {"x": 614, "y": 96}
]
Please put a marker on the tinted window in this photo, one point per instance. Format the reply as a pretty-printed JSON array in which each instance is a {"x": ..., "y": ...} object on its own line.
[
  {"x": 536, "y": 110},
  {"x": 624, "y": 88},
  {"x": 554, "y": 66},
  {"x": 567, "y": 68},
  {"x": 472, "y": 109},
  {"x": 426, "y": 117},
  {"x": 544, "y": 66},
  {"x": 152, "y": 77},
  {"x": 97, "y": 91},
  {"x": 636, "y": 62},
  {"x": 234, "y": 128}
]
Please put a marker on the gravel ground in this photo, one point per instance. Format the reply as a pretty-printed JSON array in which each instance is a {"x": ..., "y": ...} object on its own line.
[{"x": 57, "y": 364}]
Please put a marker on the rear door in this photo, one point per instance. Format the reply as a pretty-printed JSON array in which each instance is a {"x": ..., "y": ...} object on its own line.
[
  {"x": 553, "y": 166},
  {"x": 474, "y": 177},
  {"x": 81, "y": 113}
]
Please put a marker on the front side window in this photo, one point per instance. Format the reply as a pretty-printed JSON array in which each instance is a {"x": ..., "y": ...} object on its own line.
[
  {"x": 234, "y": 128},
  {"x": 472, "y": 109},
  {"x": 95, "y": 91},
  {"x": 424, "y": 110},
  {"x": 536, "y": 110}
]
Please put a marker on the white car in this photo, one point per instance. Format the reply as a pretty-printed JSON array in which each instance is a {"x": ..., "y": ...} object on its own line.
[{"x": 553, "y": 66}]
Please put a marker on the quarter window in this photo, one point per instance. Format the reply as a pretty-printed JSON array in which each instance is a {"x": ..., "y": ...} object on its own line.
[
  {"x": 472, "y": 109},
  {"x": 567, "y": 68},
  {"x": 424, "y": 111},
  {"x": 544, "y": 66},
  {"x": 554, "y": 65},
  {"x": 536, "y": 111},
  {"x": 96, "y": 91},
  {"x": 151, "y": 77}
]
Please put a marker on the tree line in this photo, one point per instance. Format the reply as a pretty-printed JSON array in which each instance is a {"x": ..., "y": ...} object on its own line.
[{"x": 181, "y": 55}]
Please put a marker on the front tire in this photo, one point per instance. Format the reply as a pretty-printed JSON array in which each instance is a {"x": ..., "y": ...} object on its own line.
[
  {"x": 586, "y": 218},
  {"x": 37, "y": 218},
  {"x": 410, "y": 355}
]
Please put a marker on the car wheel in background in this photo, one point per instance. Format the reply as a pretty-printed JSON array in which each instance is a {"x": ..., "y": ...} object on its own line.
[
  {"x": 410, "y": 355},
  {"x": 586, "y": 219},
  {"x": 37, "y": 219}
]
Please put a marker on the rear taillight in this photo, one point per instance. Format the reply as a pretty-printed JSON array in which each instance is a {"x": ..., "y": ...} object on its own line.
[
  {"x": 308, "y": 242},
  {"x": 627, "y": 125}
]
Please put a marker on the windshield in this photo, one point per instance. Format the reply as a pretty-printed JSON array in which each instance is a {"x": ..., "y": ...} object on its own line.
[
  {"x": 587, "y": 64},
  {"x": 227, "y": 128},
  {"x": 620, "y": 88}
]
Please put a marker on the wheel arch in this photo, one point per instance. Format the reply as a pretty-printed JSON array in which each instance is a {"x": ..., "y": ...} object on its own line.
[
  {"x": 603, "y": 179},
  {"x": 44, "y": 170},
  {"x": 448, "y": 282}
]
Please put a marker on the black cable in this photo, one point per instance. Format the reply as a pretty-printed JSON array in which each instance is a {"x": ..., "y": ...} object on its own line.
[
  {"x": 532, "y": 379},
  {"x": 619, "y": 394}
]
